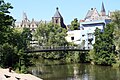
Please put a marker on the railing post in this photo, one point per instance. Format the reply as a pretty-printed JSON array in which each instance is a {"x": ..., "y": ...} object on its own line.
[{"x": 64, "y": 47}]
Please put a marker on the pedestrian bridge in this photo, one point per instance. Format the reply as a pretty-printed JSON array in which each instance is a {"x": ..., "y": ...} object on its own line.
[{"x": 55, "y": 48}]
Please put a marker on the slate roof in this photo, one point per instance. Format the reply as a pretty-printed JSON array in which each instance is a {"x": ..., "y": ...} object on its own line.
[
  {"x": 102, "y": 8},
  {"x": 57, "y": 14}
]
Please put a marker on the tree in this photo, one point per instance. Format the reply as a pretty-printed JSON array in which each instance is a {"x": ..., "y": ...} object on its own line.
[
  {"x": 8, "y": 56},
  {"x": 12, "y": 43},
  {"x": 5, "y": 34},
  {"x": 51, "y": 35},
  {"x": 5, "y": 21},
  {"x": 26, "y": 37},
  {"x": 21, "y": 39},
  {"x": 116, "y": 24},
  {"x": 103, "y": 47},
  {"x": 75, "y": 24}
]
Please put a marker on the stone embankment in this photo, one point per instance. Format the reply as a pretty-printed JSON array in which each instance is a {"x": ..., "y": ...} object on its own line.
[{"x": 6, "y": 74}]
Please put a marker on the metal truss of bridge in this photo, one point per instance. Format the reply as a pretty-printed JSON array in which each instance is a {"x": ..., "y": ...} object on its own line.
[{"x": 55, "y": 48}]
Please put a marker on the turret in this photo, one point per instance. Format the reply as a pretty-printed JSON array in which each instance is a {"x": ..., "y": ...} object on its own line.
[{"x": 58, "y": 19}]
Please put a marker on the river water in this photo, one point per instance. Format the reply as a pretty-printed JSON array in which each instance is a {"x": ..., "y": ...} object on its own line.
[{"x": 55, "y": 70}]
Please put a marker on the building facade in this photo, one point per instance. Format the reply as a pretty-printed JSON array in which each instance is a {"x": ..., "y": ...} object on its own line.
[
  {"x": 58, "y": 19},
  {"x": 26, "y": 23},
  {"x": 85, "y": 36},
  {"x": 89, "y": 29},
  {"x": 93, "y": 14}
]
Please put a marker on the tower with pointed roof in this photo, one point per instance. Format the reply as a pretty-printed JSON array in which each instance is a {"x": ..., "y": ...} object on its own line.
[
  {"x": 25, "y": 21},
  {"x": 58, "y": 19},
  {"x": 103, "y": 12}
]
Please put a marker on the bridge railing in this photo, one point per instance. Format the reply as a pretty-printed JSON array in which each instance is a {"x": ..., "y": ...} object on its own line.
[{"x": 55, "y": 47}]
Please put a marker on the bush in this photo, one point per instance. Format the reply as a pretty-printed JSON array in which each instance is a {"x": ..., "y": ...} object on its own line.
[{"x": 8, "y": 56}]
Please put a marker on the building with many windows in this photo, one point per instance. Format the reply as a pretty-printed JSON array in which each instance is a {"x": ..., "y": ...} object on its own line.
[
  {"x": 56, "y": 19},
  {"x": 27, "y": 23}
]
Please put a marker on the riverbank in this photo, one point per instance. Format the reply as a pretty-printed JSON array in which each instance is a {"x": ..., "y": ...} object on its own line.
[{"x": 6, "y": 75}]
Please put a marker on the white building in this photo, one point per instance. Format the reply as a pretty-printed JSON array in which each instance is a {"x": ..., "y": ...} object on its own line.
[
  {"x": 89, "y": 29},
  {"x": 76, "y": 37},
  {"x": 85, "y": 36}
]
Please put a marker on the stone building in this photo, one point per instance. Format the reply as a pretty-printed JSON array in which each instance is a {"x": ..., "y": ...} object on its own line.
[
  {"x": 58, "y": 19},
  {"x": 27, "y": 23}
]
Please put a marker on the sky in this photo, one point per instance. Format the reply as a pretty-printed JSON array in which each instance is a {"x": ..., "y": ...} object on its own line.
[{"x": 69, "y": 9}]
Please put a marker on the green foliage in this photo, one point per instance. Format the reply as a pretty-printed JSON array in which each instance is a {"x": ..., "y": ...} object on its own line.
[
  {"x": 26, "y": 37},
  {"x": 5, "y": 21},
  {"x": 72, "y": 56},
  {"x": 116, "y": 24},
  {"x": 4, "y": 7},
  {"x": 7, "y": 51},
  {"x": 84, "y": 57},
  {"x": 51, "y": 35},
  {"x": 74, "y": 24},
  {"x": 13, "y": 51},
  {"x": 91, "y": 56},
  {"x": 103, "y": 47},
  {"x": 54, "y": 35},
  {"x": 116, "y": 18},
  {"x": 12, "y": 42},
  {"x": 8, "y": 56},
  {"x": 21, "y": 39}
]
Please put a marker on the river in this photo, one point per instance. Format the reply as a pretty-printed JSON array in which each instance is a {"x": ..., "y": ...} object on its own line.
[{"x": 55, "y": 70}]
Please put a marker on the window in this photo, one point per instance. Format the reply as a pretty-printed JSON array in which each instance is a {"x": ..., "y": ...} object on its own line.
[
  {"x": 33, "y": 30},
  {"x": 56, "y": 21},
  {"x": 32, "y": 25},
  {"x": 83, "y": 35},
  {"x": 72, "y": 38}
]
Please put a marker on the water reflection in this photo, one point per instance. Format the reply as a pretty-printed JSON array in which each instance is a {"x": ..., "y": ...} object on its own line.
[{"x": 55, "y": 70}]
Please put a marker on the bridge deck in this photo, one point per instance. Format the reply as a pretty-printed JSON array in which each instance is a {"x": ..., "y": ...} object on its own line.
[{"x": 52, "y": 49}]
